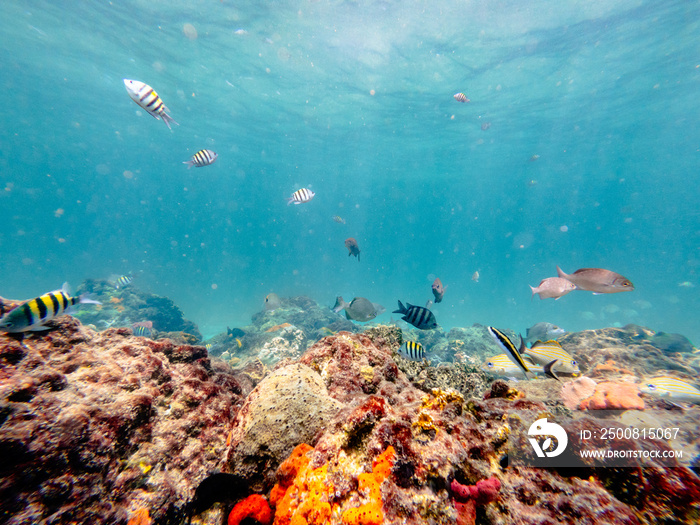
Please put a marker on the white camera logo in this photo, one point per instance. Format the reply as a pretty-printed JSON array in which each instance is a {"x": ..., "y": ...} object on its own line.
[{"x": 542, "y": 428}]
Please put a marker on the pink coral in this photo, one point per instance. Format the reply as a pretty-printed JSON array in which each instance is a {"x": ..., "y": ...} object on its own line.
[
  {"x": 613, "y": 395},
  {"x": 573, "y": 392},
  {"x": 484, "y": 492}
]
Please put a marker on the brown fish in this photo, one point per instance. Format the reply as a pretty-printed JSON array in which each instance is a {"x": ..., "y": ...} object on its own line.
[
  {"x": 597, "y": 280},
  {"x": 438, "y": 289},
  {"x": 553, "y": 287},
  {"x": 353, "y": 248}
]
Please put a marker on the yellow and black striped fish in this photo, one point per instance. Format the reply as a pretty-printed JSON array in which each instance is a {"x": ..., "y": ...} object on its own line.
[
  {"x": 122, "y": 281},
  {"x": 412, "y": 350},
  {"x": 461, "y": 97},
  {"x": 299, "y": 196},
  {"x": 203, "y": 157},
  {"x": 148, "y": 99},
  {"x": 32, "y": 315}
]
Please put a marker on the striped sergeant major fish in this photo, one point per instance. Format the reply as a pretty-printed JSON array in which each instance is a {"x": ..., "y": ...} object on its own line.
[
  {"x": 672, "y": 389},
  {"x": 122, "y": 281},
  {"x": 420, "y": 317},
  {"x": 204, "y": 157},
  {"x": 148, "y": 99},
  {"x": 299, "y": 196},
  {"x": 412, "y": 350},
  {"x": 32, "y": 315},
  {"x": 543, "y": 353},
  {"x": 511, "y": 351}
]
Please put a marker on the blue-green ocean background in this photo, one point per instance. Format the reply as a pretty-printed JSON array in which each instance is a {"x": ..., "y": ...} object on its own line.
[{"x": 354, "y": 100}]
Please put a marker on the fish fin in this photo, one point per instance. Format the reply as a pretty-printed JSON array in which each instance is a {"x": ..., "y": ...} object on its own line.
[
  {"x": 66, "y": 288},
  {"x": 597, "y": 293},
  {"x": 548, "y": 370},
  {"x": 189, "y": 163},
  {"x": 290, "y": 200},
  {"x": 167, "y": 118},
  {"x": 339, "y": 304},
  {"x": 401, "y": 309},
  {"x": 561, "y": 273},
  {"x": 87, "y": 299}
]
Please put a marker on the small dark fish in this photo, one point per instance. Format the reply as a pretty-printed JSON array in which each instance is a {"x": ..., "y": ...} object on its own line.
[
  {"x": 299, "y": 196},
  {"x": 438, "y": 290},
  {"x": 511, "y": 351},
  {"x": 217, "y": 488},
  {"x": 203, "y": 157},
  {"x": 597, "y": 280},
  {"x": 503, "y": 462},
  {"x": 461, "y": 97},
  {"x": 420, "y": 317},
  {"x": 413, "y": 350},
  {"x": 353, "y": 248},
  {"x": 234, "y": 332},
  {"x": 272, "y": 301}
]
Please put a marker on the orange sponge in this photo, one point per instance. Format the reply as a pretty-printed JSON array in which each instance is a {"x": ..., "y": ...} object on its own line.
[{"x": 254, "y": 506}]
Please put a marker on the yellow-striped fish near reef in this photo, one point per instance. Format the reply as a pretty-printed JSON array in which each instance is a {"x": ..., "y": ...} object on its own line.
[
  {"x": 148, "y": 99},
  {"x": 511, "y": 351},
  {"x": 32, "y": 315},
  {"x": 412, "y": 350},
  {"x": 672, "y": 389},
  {"x": 546, "y": 352},
  {"x": 461, "y": 97},
  {"x": 203, "y": 157}
]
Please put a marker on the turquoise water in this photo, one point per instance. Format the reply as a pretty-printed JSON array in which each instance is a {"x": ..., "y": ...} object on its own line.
[{"x": 590, "y": 160}]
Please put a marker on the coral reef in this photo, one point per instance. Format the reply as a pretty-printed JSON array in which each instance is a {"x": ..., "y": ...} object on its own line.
[
  {"x": 105, "y": 427},
  {"x": 127, "y": 305},
  {"x": 98, "y": 425},
  {"x": 285, "y": 409}
]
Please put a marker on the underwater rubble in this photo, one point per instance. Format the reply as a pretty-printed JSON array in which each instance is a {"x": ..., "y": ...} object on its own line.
[{"x": 312, "y": 423}]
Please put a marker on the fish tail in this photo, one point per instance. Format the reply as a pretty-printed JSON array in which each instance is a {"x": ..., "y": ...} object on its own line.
[
  {"x": 561, "y": 273},
  {"x": 87, "y": 299},
  {"x": 189, "y": 163},
  {"x": 168, "y": 119},
  {"x": 401, "y": 310},
  {"x": 290, "y": 200},
  {"x": 533, "y": 292},
  {"x": 339, "y": 304}
]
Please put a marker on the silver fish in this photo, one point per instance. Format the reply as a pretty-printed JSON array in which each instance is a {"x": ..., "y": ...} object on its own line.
[
  {"x": 359, "y": 309},
  {"x": 553, "y": 288},
  {"x": 597, "y": 280},
  {"x": 272, "y": 301},
  {"x": 543, "y": 332}
]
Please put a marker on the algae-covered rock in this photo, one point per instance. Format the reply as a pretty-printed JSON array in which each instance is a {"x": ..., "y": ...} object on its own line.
[{"x": 287, "y": 408}]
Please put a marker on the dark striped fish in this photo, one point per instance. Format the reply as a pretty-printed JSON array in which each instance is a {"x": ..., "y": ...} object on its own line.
[
  {"x": 413, "y": 350},
  {"x": 203, "y": 157},
  {"x": 420, "y": 317},
  {"x": 513, "y": 354},
  {"x": 32, "y": 315},
  {"x": 122, "y": 281},
  {"x": 461, "y": 97},
  {"x": 148, "y": 99},
  {"x": 299, "y": 196}
]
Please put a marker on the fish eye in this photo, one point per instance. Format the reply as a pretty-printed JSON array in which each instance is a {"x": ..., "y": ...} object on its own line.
[
  {"x": 573, "y": 363},
  {"x": 651, "y": 387},
  {"x": 490, "y": 365}
]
